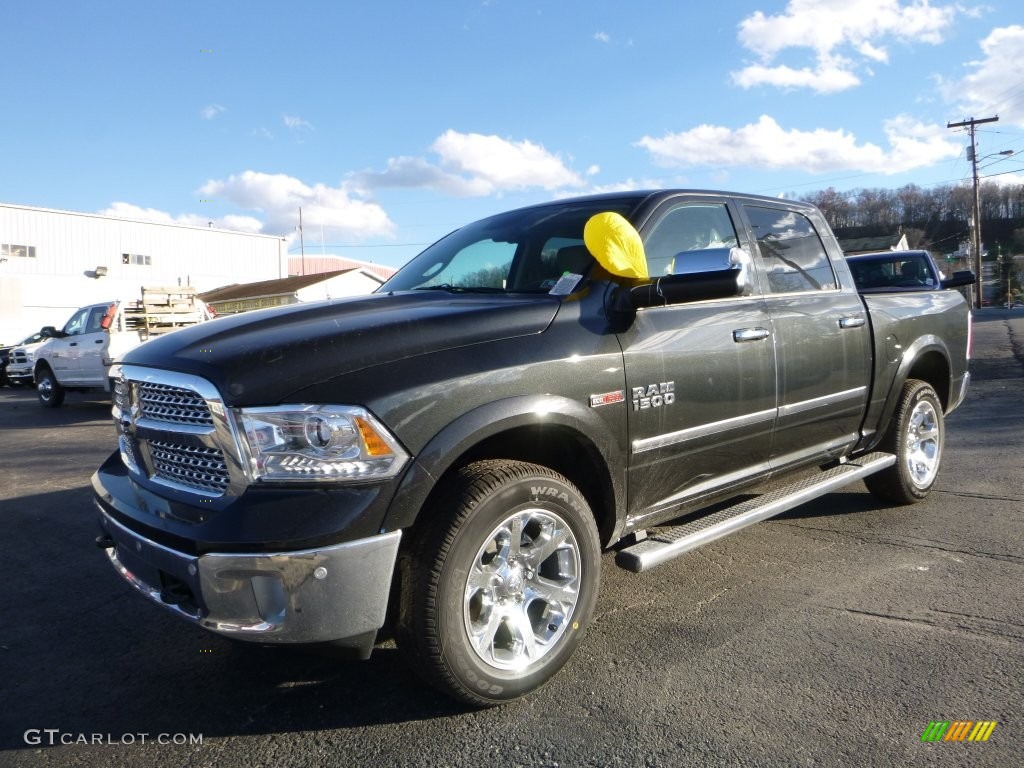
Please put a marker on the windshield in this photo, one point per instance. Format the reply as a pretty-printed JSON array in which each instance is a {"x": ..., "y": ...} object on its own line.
[{"x": 516, "y": 252}]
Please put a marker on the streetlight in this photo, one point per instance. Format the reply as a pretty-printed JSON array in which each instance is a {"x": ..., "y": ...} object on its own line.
[
  {"x": 973, "y": 157},
  {"x": 971, "y": 125}
]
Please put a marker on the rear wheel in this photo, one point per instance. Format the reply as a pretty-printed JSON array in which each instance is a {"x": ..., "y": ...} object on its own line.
[
  {"x": 51, "y": 393},
  {"x": 916, "y": 435},
  {"x": 499, "y": 586}
]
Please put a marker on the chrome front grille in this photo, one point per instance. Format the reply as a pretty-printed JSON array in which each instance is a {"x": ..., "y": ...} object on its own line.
[
  {"x": 201, "y": 468},
  {"x": 162, "y": 402},
  {"x": 174, "y": 429}
]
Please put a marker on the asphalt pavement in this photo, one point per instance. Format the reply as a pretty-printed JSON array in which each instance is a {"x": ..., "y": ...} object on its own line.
[{"x": 832, "y": 635}]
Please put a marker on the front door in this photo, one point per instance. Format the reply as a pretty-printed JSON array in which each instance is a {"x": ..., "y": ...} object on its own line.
[
  {"x": 62, "y": 353},
  {"x": 92, "y": 349},
  {"x": 701, "y": 376}
]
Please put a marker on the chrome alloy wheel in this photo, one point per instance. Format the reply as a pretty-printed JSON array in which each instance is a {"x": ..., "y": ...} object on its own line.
[
  {"x": 923, "y": 444},
  {"x": 45, "y": 388},
  {"x": 522, "y": 589}
]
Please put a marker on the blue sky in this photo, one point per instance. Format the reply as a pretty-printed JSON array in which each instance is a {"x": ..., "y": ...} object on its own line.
[{"x": 392, "y": 123}]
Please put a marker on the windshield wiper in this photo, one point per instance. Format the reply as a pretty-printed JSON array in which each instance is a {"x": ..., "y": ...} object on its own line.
[{"x": 460, "y": 288}]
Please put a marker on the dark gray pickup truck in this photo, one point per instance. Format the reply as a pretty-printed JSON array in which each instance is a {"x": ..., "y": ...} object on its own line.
[{"x": 444, "y": 461}]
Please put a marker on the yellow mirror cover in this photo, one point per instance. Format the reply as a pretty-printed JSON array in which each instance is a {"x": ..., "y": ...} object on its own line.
[{"x": 616, "y": 245}]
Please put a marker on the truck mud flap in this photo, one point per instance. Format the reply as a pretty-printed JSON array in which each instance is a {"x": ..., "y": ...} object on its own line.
[{"x": 668, "y": 543}]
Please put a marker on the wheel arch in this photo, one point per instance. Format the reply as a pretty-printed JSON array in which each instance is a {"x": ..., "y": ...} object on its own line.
[
  {"x": 551, "y": 431},
  {"x": 926, "y": 359}
]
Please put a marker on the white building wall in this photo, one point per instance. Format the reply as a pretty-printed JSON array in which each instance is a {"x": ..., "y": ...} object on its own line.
[
  {"x": 45, "y": 290},
  {"x": 354, "y": 283}
]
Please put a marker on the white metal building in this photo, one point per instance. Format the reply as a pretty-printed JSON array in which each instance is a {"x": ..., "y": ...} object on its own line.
[{"x": 52, "y": 262}]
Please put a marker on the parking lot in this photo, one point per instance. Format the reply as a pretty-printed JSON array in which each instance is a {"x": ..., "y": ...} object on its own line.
[{"x": 830, "y": 635}]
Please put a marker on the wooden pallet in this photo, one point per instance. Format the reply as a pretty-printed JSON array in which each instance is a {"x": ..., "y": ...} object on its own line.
[{"x": 162, "y": 310}]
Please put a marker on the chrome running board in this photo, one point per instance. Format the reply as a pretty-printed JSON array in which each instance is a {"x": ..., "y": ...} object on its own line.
[{"x": 668, "y": 543}]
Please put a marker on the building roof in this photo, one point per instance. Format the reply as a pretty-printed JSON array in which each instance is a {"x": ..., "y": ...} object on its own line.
[
  {"x": 284, "y": 286},
  {"x": 154, "y": 222},
  {"x": 298, "y": 265}
]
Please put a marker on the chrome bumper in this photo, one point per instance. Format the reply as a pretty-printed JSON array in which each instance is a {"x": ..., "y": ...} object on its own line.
[{"x": 335, "y": 594}]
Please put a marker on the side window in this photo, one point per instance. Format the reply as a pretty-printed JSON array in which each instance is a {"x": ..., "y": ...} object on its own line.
[
  {"x": 76, "y": 325},
  {"x": 95, "y": 318},
  {"x": 792, "y": 254},
  {"x": 692, "y": 227}
]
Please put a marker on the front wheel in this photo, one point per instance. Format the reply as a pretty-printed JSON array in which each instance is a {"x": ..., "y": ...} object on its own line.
[
  {"x": 51, "y": 393},
  {"x": 500, "y": 585},
  {"x": 916, "y": 435}
]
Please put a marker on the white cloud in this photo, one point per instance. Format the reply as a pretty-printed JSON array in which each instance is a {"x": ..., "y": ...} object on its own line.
[
  {"x": 474, "y": 165},
  {"x": 629, "y": 185},
  {"x": 1004, "y": 179},
  {"x": 593, "y": 170},
  {"x": 825, "y": 79},
  {"x": 210, "y": 111},
  {"x": 262, "y": 133},
  {"x": 602, "y": 37},
  {"x": 296, "y": 123},
  {"x": 833, "y": 32},
  {"x": 278, "y": 197},
  {"x": 995, "y": 85},
  {"x": 233, "y": 222},
  {"x": 765, "y": 144}
]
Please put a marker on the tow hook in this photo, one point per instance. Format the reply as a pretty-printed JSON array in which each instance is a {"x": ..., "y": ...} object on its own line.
[{"x": 104, "y": 542}]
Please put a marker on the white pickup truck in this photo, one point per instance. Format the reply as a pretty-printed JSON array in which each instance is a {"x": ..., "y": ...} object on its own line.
[{"x": 78, "y": 357}]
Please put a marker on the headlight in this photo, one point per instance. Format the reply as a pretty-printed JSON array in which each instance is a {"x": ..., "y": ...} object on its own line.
[{"x": 318, "y": 443}]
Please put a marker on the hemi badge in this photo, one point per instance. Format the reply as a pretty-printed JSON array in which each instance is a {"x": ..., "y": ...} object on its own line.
[{"x": 608, "y": 398}]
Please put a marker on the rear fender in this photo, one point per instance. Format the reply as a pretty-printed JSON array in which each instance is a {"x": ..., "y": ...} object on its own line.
[{"x": 915, "y": 353}]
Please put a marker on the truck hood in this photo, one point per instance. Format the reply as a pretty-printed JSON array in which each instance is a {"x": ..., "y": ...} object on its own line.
[{"x": 261, "y": 357}]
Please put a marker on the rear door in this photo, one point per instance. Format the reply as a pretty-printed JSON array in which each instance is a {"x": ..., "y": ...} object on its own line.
[
  {"x": 822, "y": 338},
  {"x": 701, "y": 376}
]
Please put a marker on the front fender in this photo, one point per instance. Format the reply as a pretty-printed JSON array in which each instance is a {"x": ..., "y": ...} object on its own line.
[{"x": 458, "y": 438}]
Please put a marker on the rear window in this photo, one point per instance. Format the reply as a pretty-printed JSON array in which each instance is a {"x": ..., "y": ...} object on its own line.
[{"x": 895, "y": 271}]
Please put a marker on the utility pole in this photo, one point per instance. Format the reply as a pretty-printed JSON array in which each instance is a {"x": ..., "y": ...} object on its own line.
[
  {"x": 976, "y": 238},
  {"x": 302, "y": 244}
]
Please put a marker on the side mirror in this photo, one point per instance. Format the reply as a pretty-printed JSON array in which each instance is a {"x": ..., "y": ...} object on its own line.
[
  {"x": 49, "y": 332},
  {"x": 964, "y": 277},
  {"x": 711, "y": 273}
]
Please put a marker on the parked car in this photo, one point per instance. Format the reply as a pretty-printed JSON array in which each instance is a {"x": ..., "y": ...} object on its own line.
[
  {"x": 17, "y": 360},
  {"x": 78, "y": 357}
]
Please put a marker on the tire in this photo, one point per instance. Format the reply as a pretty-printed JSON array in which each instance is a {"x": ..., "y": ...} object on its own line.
[
  {"x": 51, "y": 393},
  {"x": 485, "y": 619},
  {"x": 916, "y": 435}
]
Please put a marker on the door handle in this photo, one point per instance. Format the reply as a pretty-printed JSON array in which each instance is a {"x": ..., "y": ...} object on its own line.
[
  {"x": 749, "y": 334},
  {"x": 98, "y": 341},
  {"x": 851, "y": 322},
  {"x": 73, "y": 344}
]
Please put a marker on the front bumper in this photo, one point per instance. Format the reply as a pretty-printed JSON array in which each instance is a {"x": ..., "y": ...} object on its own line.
[
  {"x": 333, "y": 594},
  {"x": 21, "y": 373}
]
